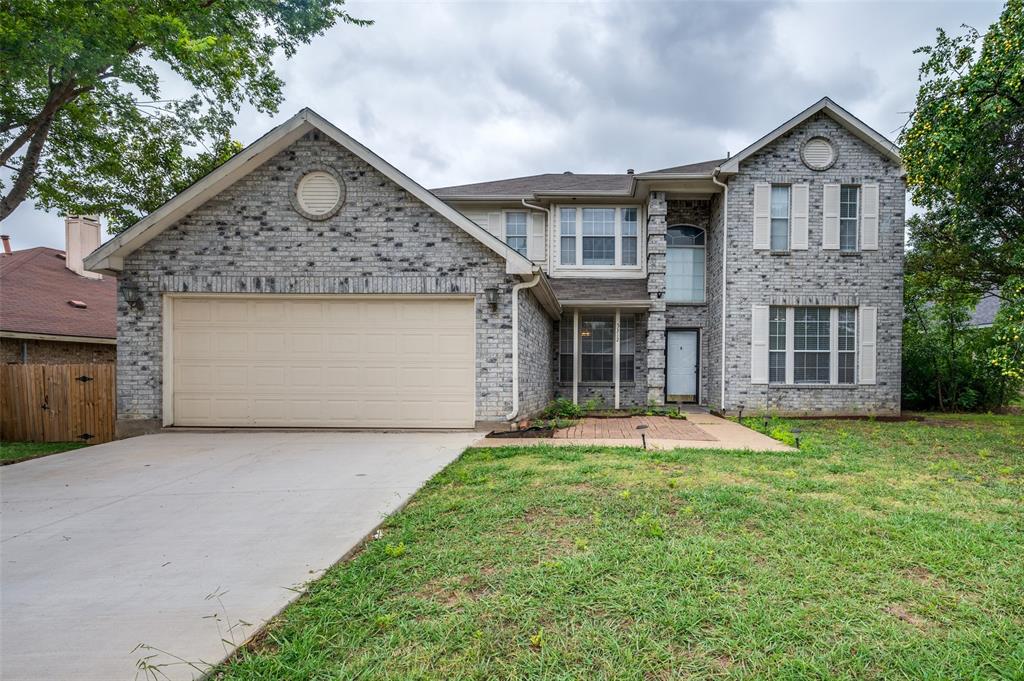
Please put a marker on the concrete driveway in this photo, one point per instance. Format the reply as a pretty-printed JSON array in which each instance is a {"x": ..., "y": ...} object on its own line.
[{"x": 180, "y": 540}]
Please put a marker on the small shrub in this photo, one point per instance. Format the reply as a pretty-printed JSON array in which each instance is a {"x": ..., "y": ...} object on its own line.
[
  {"x": 563, "y": 408},
  {"x": 593, "y": 404}
]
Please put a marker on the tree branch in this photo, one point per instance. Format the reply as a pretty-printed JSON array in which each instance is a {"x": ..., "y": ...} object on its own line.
[{"x": 19, "y": 190}]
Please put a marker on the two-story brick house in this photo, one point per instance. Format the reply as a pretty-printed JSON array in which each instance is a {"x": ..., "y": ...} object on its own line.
[{"x": 309, "y": 282}]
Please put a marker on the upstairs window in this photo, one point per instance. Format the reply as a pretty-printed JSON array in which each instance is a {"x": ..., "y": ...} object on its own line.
[
  {"x": 599, "y": 237},
  {"x": 684, "y": 264},
  {"x": 849, "y": 214},
  {"x": 780, "y": 217},
  {"x": 515, "y": 230}
]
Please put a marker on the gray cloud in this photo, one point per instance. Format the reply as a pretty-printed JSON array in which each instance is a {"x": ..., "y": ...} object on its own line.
[{"x": 455, "y": 92}]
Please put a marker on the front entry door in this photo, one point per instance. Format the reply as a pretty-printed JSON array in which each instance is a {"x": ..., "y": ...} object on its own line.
[{"x": 681, "y": 383}]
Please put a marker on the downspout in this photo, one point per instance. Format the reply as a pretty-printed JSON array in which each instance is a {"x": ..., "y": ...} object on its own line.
[
  {"x": 725, "y": 256},
  {"x": 515, "y": 338},
  {"x": 530, "y": 205}
]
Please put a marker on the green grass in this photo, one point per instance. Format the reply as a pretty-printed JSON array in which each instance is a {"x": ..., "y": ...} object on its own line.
[
  {"x": 881, "y": 550},
  {"x": 13, "y": 452}
]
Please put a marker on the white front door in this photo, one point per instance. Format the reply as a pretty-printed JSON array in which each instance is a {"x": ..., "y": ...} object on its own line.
[{"x": 681, "y": 383}]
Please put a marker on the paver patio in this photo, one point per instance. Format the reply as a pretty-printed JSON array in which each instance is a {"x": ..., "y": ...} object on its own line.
[{"x": 627, "y": 428}]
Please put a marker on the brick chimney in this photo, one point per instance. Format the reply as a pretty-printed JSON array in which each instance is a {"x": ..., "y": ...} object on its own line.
[
  {"x": 7, "y": 243},
  {"x": 83, "y": 237}
]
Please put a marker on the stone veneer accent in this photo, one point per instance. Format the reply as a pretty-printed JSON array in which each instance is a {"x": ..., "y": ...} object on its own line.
[
  {"x": 249, "y": 239},
  {"x": 816, "y": 276},
  {"x": 657, "y": 211}
]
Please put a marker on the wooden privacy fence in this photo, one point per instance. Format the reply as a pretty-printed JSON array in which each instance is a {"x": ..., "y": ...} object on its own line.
[{"x": 57, "y": 402}]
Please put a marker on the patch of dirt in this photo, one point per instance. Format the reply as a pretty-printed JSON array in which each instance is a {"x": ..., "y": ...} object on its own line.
[
  {"x": 924, "y": 577},
  {"x": 527, "y": 433},
  {"x": 899, "y": 611}
]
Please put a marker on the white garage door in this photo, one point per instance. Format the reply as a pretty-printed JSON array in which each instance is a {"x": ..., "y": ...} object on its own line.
[{"x": 323, "y": 362}]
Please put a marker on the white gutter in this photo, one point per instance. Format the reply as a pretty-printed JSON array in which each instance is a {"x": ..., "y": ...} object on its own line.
[
  {"x": 530, "y": 205},
  {"x": 725, "y": 255},
  {"x": 537, "y": 276}
]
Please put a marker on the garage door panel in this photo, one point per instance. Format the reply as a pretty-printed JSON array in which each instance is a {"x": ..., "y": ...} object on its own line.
[{"x": 342, "y": 362}]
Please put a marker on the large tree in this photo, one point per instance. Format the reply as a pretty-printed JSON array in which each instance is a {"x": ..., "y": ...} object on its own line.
[
  {"x": 83, "y": 126},
  {"x": 964, "y": 152}
]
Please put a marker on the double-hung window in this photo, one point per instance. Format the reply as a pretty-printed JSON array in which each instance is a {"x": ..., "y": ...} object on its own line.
[
  {"x": 811, "y": 353},
  {"x": 567, "y": 232},
  {"x": 629, "y": 236},
  {"x": 597, "y": 349},
  {"x": 515, "y": 230},
  {"x": 849, "y": 215},
  {"x": 847, "y": 340},
  {"x": 780, "y": 217},
  {"x": 777, "y": 345},
  {"x": 599, "y": 237}
]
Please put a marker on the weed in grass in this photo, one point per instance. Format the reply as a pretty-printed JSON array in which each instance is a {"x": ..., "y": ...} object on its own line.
[{"x": 394, "y": 550}]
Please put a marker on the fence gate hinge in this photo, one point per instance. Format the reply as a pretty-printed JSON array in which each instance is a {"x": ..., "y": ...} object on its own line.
[
  {"x": 84, "y": 379},
  {"x": 86, "y": 436}
]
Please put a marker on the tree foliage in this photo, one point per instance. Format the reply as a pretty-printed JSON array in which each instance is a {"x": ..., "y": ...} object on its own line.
[
  {"x": 964, "y": 153},
  {"x": 83, "y": 128},
  {"x": 947, "y": 364}
]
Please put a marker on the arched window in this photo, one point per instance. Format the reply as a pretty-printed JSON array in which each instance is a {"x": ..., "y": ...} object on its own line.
[{"x": 684, "y": 276}]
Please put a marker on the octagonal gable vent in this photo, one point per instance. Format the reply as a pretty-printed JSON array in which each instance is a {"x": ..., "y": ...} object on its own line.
[
  {"x": 319, "y": 194},
  {"x": 818, "y": 153}
]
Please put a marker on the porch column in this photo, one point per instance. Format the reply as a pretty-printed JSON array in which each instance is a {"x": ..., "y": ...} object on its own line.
[
  {"x": 657, "y": 210},
  {"x": 576, "y": 356}
]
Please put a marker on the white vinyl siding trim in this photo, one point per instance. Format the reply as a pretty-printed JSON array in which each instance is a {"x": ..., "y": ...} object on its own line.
[
  {"x": 759, "y": 344},
  {"x": 495, "y": 225},
  {"x": 830, "y": 218},
  {"x": 801, "y": 209},
  {"x": 868, "y": 346},
  {"x": 869, "y": 218},
  {"x": 762, "y": 216},
  {"x": 536, "y": 250}
]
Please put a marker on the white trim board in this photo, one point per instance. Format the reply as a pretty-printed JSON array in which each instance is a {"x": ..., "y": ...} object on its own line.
[{"x": 109, "y": 258}]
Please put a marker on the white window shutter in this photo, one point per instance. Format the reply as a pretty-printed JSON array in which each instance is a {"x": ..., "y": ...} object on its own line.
[
  {"x": 535, "y": 244},
  {"x": 830, "y": 218},
  {"x": 801, "y": 207},
  {"x": 762, "y": 216},
  {"x": 869, "y": 218},
  {"x": 759, "y": 344},
  {"x": 868, "y": 350},
  {"x": 495, "y": 225}
]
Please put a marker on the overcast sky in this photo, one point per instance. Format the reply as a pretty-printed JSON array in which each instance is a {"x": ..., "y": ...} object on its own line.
[{"x": 459, "y": 92}]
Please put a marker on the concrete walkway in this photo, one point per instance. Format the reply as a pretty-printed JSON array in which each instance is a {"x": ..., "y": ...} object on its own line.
[
  {"x": 700, "y": 430},
  {"x": 179, "y": 540}
]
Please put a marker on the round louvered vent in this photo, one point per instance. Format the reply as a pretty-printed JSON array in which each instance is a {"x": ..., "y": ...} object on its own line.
[
  {"x": 319, "y": 194},
  {"x": 818, "y": 153}
]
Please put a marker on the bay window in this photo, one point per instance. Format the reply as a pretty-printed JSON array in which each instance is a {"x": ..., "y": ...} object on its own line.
[{"x": 599, "y": 237}]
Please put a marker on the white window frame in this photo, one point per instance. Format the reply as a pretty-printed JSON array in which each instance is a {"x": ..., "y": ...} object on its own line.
[
  {"x": 855, "y": 218},
  {"x": 504, "y": 226},
  {"x": 788, "y": 218},
  {"x": 704, "y": 291},
  {"x": 790, "y": 346},
  {"x": 614, "y": 270}
]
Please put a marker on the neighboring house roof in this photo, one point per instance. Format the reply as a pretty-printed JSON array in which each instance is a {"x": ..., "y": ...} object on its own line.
[
  {"x": 985, "y": 311},
  {"x": 35, "y": 290},
  {"x": 548, "y": 183},
  {"x": 841, "y": 115},
  {"x": 110, "y": 256},
  {"x": 577, "y": 289}
]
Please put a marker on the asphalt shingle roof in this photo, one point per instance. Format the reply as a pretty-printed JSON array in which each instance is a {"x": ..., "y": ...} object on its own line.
[
  {"x": 549, "y": 182},
  {"x": 35, "y": 288},
  {"x": 579, "y": 288},
  {"x": 695, "y": 168}
]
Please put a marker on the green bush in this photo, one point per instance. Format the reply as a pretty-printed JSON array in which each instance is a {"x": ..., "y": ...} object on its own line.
[{"x": 563, "y": 408}]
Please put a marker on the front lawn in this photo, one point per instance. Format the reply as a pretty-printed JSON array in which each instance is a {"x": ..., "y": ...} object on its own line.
[
  {"x": 881, "y": 550},
  {"x": 13, "y": 452}
]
